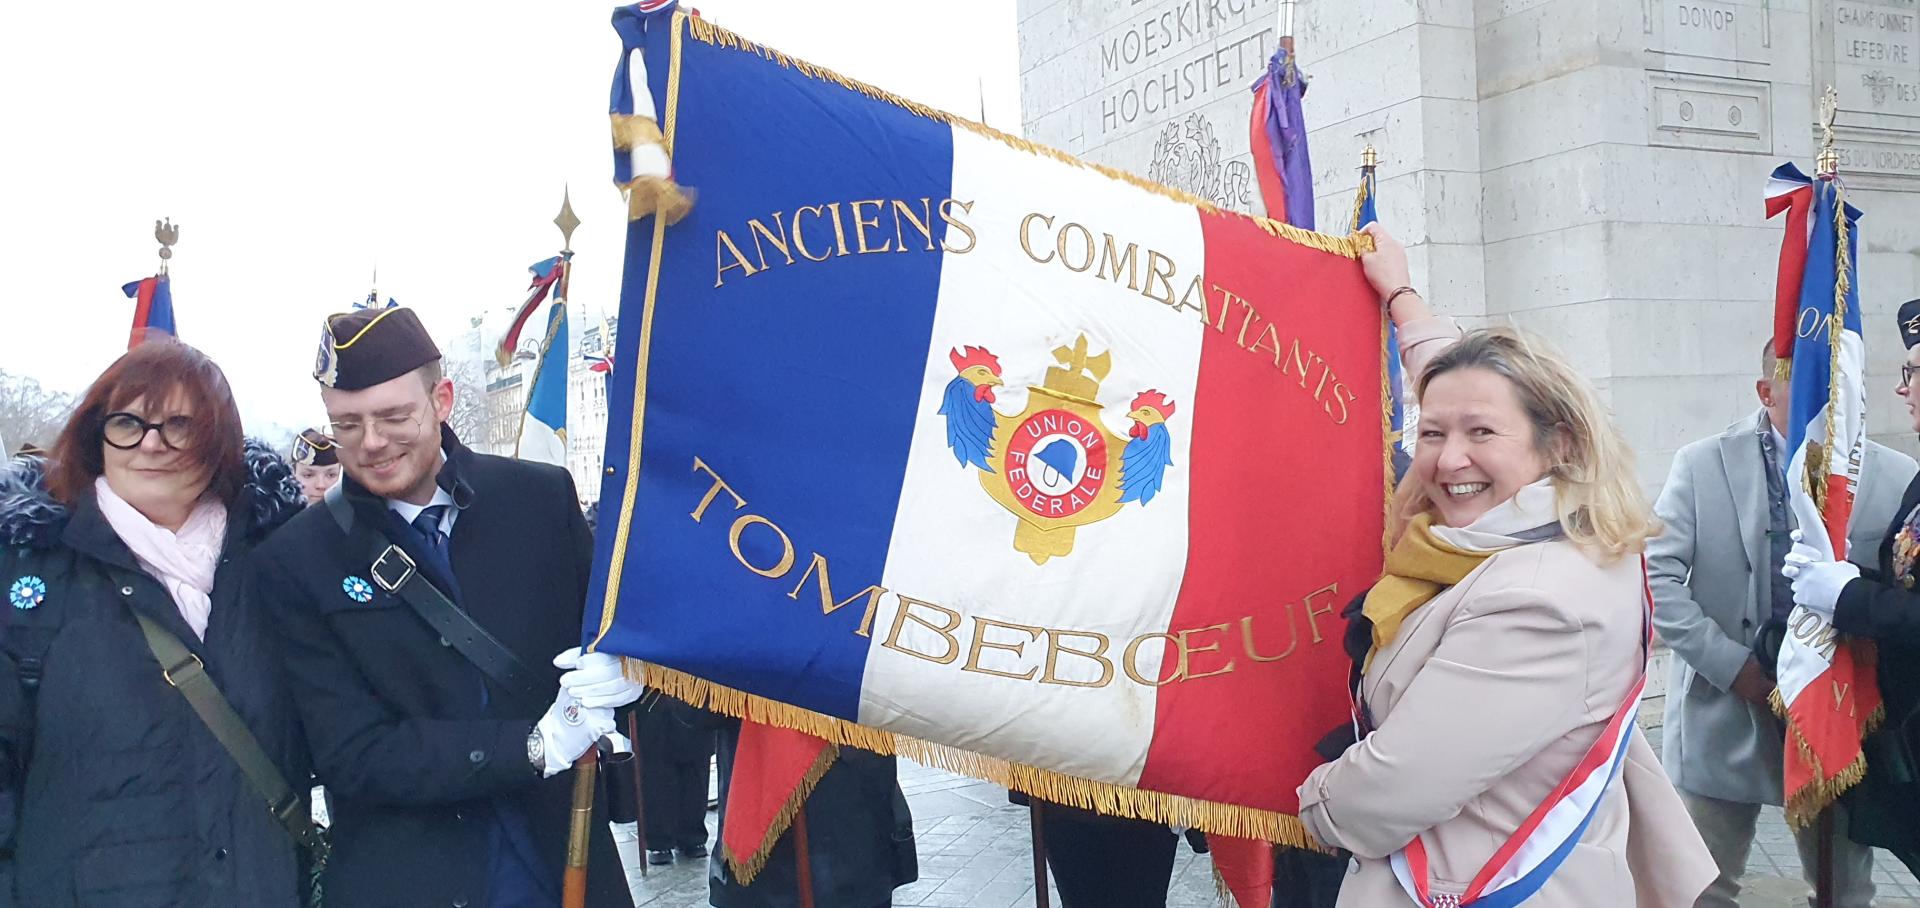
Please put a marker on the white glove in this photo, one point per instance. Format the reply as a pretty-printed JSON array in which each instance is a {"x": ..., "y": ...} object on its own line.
[
  {"x": 568, "y": 729},
  {"x": 1817, "y": 581},
  {"x": 596, "y": 679}
]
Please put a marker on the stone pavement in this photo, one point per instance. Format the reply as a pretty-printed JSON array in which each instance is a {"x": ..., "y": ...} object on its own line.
[{"x": 975, "y": 853}]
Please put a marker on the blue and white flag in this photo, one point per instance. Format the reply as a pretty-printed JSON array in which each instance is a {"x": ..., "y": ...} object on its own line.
[{"x": 543, "y": 431}]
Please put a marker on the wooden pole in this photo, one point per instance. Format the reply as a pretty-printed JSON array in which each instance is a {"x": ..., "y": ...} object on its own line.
[
  {"x": 639, "y": 795},
  {"x": 1041, "y": 898},
  {"x": 579, "y": 834},
  {"x": 802, "y": 859},
  {"x": 1823, "y": 873}
]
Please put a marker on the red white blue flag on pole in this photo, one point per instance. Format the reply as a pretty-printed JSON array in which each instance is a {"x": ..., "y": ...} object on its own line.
[
  {"x": 930, "y": 440},
  {"x": 1827, "y": 688},
  {"x": 152, "y": 309}
]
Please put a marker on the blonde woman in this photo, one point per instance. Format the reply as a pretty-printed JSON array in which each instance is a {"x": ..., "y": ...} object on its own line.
[{"x": 1499, "y": 762}]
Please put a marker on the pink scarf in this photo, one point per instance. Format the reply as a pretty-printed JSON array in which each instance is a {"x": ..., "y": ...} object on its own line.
[{"x": 183, "y": 561}]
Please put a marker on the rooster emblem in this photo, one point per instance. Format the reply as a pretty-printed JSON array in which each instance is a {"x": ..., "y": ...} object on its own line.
[{"x": 1054, "y": 464}]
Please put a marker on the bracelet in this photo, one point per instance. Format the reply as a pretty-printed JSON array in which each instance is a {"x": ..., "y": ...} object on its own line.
[{"x": 1396, "y": 294}]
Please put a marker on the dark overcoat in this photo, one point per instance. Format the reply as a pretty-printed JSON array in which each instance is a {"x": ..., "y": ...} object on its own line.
[
  {"x": 418, "y": 749},
  {"x": 113, "y": 793},
  {"x": 1884, "y": 606}
]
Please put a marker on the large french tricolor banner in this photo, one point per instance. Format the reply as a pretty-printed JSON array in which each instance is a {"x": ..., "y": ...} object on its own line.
[
  {"x": 938, "y": 442},
  {"x": 1826, "y": 688}
]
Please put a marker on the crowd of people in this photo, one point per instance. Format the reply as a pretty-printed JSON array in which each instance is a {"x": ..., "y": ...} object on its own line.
[{"x": 199, "y": 629}]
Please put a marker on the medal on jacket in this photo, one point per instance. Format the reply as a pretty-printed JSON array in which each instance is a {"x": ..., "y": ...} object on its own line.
[
  {"x": 27, "y": 592},
  {"x": 1906, "y": 546},
  {"x": 1530, "y": 856}
]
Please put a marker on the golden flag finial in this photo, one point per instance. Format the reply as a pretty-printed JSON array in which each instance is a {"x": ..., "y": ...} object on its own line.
[{"x": 566, "y": 220}]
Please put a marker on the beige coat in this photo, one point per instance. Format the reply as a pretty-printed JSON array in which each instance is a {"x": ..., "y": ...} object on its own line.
[{"x": 1487, "y": 698}]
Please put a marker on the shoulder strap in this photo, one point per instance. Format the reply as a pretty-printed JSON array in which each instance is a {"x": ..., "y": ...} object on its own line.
[
  {"x": 394, "y": 570},
  {"x": 188, "y": 674}
]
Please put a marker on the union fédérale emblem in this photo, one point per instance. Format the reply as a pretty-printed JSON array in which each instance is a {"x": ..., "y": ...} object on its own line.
[{"x": 1054, "y": 464}]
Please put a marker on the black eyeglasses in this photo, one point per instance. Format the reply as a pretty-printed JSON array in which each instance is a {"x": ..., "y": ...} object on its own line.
[
  {"x": 1906, "y": 375},
  {"x": 127, "y": 431}
]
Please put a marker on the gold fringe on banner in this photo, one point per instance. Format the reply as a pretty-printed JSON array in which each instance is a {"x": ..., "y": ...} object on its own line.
[
  {"x": 745, "y": 869},
  {"x": 1059, "y": 788},
  {"x": 631, "y": 131},
  {"x": 705, "y": 31}
]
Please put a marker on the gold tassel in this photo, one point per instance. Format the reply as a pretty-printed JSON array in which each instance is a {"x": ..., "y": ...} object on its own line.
[
  {"x": 1059, "y": 788},
  {"x": 705, "y": 31},
  {"x": 654, "y": 194},
  {"x": 631, "y": 131},
  {"x": 1783, "y": 369}
]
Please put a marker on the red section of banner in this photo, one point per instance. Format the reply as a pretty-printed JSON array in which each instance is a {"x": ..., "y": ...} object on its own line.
[
  {"x": 1255, "y": 638},
  {"x": 142, "y": 310},
  {"x": 1791, "y": 270},
  {"x": 1828, "y": 721},
  {"x": 1273, "y": 192},
  {"x": 774, "y": 769},
  {"x": 1244, "y": 868}
]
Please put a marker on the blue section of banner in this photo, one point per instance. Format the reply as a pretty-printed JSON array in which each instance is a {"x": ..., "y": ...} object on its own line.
[
  {"x": 160, "y": 315},
  {"x": 547, "y": 404},
  {"x": 1812, "y": 355},
  {"x": 759, "y": 141}
]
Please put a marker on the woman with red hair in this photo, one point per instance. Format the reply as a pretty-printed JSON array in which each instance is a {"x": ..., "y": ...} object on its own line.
[{"x": 143, "y": 728}]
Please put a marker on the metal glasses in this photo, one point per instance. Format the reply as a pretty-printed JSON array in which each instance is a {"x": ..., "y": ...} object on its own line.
[{"x": 401, "y": 427}]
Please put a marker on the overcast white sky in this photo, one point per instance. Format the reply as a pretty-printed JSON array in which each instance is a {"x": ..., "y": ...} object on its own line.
[{"x": 299, "y": 144}]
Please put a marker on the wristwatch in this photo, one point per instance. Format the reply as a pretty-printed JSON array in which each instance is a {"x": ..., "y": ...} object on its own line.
[{"x": 537, "y": 749}]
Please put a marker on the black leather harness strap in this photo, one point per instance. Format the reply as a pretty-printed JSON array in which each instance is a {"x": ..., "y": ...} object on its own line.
[{"x": 394, "y": 570}]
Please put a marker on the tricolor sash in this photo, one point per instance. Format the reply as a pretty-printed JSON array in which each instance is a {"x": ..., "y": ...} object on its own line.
[{"x": 1530, "y": 856}]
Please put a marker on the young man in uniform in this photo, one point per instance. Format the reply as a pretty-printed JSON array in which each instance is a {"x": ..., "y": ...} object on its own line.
[
  {"x": 421, "y": 604},
  {"x": 316, "y": 464}
]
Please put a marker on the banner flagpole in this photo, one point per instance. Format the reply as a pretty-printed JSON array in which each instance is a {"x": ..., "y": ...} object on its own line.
[
  {"x": 1041, "y": 897},
  {"x": 1827, "y": 167},
  {"x": 579, "y": 832}
]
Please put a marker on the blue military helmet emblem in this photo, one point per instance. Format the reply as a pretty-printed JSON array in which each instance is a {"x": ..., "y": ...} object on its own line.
[
  {"x": 357, "y": 589},
  {"x": 27, "y": 592}
]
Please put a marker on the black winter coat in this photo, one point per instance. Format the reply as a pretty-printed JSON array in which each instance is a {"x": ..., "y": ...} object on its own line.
[
  {"x": 1883, "y": 606},
  {"x": 412, "y": 760},
  {"x": 859, "y": 838},
  {"x": 113, "y": 794}
]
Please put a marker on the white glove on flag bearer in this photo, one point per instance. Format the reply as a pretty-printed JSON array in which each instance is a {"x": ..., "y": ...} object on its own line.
[{"x": 597, "y": 679}]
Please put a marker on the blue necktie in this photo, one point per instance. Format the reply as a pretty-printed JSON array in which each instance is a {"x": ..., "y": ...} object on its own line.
[{"x": 428, "y": 526}]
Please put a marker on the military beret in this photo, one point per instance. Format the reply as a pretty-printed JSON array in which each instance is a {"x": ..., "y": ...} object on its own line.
[
  {"x": 315, "y": 448},
  {"x": 1910, "y": 323},
  {"x": 365, "y": 347}
]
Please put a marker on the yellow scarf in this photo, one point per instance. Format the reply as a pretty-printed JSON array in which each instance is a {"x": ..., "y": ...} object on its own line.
[{"x": 1418, "y": 568}]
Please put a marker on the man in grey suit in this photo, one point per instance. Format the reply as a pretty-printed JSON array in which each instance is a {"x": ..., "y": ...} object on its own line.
[{"x": 1716, "y": 581}]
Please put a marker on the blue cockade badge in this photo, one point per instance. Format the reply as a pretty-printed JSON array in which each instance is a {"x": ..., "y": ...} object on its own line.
[
  {"x": 27, "y": 592},
  {"x": 357, "y": 589}
]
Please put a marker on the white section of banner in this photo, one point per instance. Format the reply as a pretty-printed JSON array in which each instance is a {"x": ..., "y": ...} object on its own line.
[
  {"x": 953, "y": 545},
  {"x": 540, "y": 443}
]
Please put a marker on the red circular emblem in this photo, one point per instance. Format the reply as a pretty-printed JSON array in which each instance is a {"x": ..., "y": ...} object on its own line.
[{"x": 1057, "y": 463}]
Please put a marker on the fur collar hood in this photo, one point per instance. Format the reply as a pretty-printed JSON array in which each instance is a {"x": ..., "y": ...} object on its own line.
[{"x": 30, "y": 518}]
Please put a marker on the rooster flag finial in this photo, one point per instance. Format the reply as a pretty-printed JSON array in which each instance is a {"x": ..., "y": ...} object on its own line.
[
  {"x": 968, "y": 405},
  {"x": 1145, "y": 459}
]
